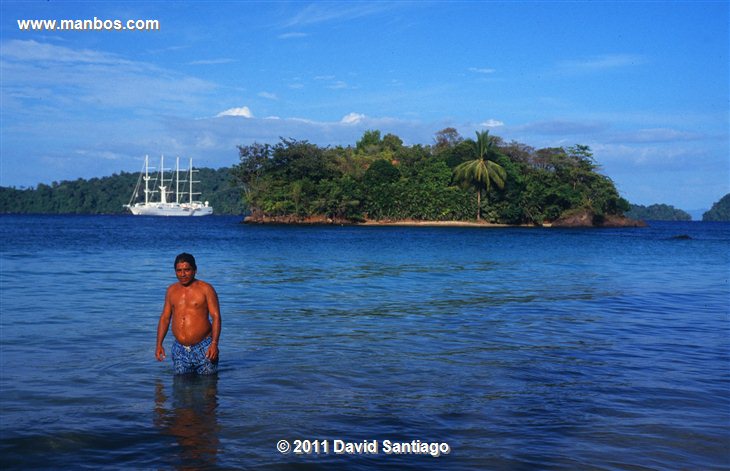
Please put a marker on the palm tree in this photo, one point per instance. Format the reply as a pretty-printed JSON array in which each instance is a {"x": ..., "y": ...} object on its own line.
[{"x": 481, "y": 172}]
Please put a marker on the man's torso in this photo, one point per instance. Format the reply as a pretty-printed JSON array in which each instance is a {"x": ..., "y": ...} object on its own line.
[{"x": 190, "y": 322}]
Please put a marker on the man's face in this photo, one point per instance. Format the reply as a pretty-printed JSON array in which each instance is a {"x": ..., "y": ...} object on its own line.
[{"x": 185, "y": 273}]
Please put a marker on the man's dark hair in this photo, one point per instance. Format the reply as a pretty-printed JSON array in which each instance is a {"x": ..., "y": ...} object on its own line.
[{"x": 186, "y": 257}]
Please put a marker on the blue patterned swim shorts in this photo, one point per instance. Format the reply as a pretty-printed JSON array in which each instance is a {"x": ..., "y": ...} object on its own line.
[{"x": 191, "y": 359}]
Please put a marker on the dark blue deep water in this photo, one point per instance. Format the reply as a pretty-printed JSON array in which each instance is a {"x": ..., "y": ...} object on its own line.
[{"x": 519, "y": 348}]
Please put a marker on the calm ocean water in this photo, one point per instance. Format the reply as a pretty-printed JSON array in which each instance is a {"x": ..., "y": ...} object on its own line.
[{"x": 518, "y": 348}]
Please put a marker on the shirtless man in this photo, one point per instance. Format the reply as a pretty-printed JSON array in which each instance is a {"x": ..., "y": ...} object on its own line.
[{"x": 188, "y": 304}]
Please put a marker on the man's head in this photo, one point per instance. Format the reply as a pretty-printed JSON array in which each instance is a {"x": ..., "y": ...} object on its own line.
[
  {"x": 185, "y": 268},
  {"x": 186, "y": 257}
]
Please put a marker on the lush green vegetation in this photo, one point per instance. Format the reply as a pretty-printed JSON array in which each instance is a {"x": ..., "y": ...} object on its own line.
[
  {"x": 379, "y": 178},
  {"x": 108, "y": 195},
  {"x": 657, "y": 212},
  {"x": 455, "y": 179},
  {"x": 720, "y": 211}
]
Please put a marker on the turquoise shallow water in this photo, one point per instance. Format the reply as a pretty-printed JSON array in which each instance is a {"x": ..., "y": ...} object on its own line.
[{"x": 519, "y": 348}]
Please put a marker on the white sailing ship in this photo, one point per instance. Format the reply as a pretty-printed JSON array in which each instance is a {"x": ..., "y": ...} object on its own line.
[{"x": 169, "y": 203}]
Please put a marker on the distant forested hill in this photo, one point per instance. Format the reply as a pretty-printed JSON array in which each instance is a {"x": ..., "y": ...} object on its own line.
[
  {"x": 720, "y": 211},
  {"x": 108, "y": 195},
  {"x": 657, "y": 212}
]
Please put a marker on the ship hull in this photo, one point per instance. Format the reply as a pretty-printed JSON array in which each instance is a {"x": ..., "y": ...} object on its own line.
[{"x": 157, "y": 209}]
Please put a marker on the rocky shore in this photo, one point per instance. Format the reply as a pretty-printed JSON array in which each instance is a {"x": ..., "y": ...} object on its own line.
[
  {"x": 580, "y": 219},
  {"x": 590, "y": 219}
]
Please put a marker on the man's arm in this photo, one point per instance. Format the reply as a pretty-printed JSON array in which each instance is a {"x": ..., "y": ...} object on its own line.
[
  {"x": 162, "y": 326},
  {"x": 214, "y": 311}
]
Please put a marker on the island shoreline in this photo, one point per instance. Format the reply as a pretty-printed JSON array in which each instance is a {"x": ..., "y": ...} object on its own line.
[{"x": 585, "y": 221}]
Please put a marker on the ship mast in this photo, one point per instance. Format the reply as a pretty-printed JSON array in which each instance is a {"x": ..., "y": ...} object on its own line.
[
  {"x": 177, "y": 180},
  {"x": 163, "y": 188},
  {"x": 146, "y": 180}
]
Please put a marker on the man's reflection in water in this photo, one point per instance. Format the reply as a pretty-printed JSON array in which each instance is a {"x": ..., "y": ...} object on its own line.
[{"x": 191, "y": 418}]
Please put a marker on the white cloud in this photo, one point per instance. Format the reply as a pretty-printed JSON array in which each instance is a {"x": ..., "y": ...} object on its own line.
[
  {"x": 100, "y": 154},
  {"x": 242, "y": 111},
  {"x": 561, "y": 127},
  {"x": 656, "y": 135},
  {"x": 212, "y": 61},
  {"x": 352, "y": 118},
  {"x": 206, "y": 141},
  {"x": 479, "y": 70},
  {"x": 315, "y": 13},
  {"x": 293, "y": 35},
  {"x": 268, "y": 95},
  {"x": 302, "y": 120},
  {"x": 33, "y": 51},
  {"x": 601, "y": 63},
  {"x": 333, "y": 84},
  {"x": 491, "y": 123},
  {"x": 83, "y": 78}
]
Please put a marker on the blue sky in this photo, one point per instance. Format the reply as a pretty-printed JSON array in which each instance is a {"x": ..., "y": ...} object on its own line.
[{"x": 644, "y": 84}]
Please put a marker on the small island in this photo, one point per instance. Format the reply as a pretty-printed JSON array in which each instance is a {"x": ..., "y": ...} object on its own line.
[
  {"x": 720, "y": 210},
  {"x": 454, "y": 182},
  {"x": 658, "y": 212}
]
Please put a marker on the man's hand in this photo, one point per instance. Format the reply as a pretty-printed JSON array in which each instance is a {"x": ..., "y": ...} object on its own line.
[
  {"x": 212, "y": 352},
  {"x": 160, "y": 353}
]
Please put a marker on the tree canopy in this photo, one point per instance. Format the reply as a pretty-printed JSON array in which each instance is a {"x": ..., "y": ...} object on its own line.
[{"x": 383, "y": 179}]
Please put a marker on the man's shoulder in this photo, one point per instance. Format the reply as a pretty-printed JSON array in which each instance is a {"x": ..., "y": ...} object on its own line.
[{"x": 203, "y": 284}]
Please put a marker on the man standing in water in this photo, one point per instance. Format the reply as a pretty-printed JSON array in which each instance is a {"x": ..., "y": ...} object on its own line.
[{"x": 188, "y": 304}]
